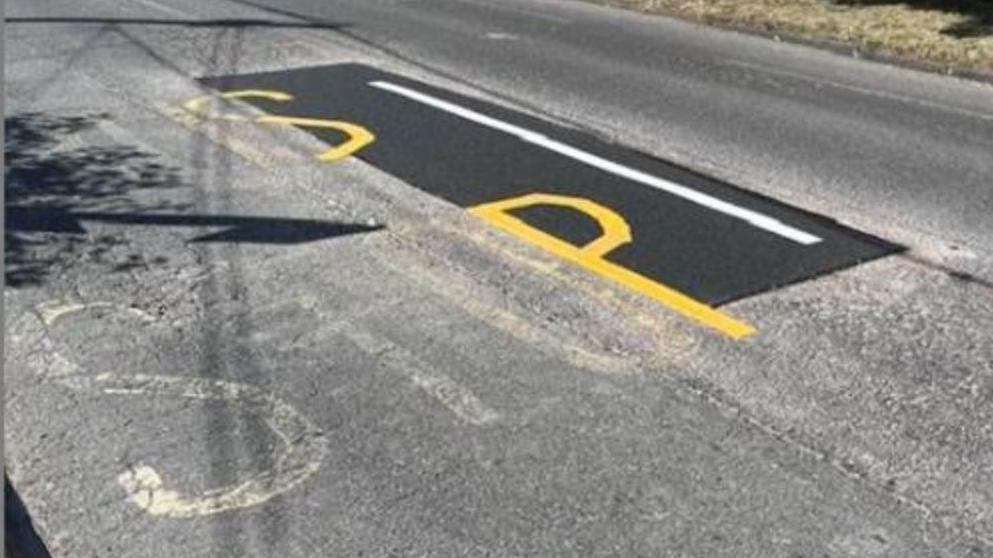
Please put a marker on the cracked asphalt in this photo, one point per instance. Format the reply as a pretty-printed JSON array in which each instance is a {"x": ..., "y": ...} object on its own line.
[{"x": 219, "y": 346}]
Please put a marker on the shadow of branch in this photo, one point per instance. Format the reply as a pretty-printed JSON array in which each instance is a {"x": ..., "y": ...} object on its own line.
[{"x": 56, "y": 183}]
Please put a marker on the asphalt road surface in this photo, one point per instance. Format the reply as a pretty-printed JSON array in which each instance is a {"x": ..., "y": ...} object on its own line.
[{"x": 475, "y": 278}]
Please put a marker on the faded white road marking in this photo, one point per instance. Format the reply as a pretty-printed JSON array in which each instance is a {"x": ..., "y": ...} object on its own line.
[
  {"x": 753, "y": 218},
  {"x": 497, "y": 36},
  {"x": 457, "y": 398},
  {"x": 454, "y": 396},
  {"x": 53, "y": 310},
  {"x": 530, "y": 13},
  {"x": 908, "y": 99},
  {"x": 304, "y": 446}
]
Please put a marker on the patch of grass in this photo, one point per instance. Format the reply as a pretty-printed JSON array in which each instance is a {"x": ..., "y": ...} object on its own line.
[{"x": 956, "y": 35}]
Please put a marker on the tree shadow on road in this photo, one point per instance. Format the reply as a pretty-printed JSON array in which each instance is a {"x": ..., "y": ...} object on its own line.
[
  {"x": 55, "y": 184},
  {"x": 48, "y": 170},
  {"x": 977, "y": 14}
]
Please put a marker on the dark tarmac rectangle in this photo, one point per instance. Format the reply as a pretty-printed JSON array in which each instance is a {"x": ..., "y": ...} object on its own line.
[{"x": 705, "y": 238}]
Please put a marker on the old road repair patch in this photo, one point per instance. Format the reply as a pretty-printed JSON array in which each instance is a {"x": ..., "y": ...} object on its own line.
[{"x": 687, "y": 240}]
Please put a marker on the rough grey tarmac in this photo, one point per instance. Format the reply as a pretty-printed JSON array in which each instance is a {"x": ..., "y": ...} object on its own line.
[{"x": 318, "y": 359}]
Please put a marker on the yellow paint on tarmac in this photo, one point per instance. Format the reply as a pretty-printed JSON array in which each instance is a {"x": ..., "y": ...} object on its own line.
[
  {"x": 358, "y": 136},
  {"x": 198, "y": 104},
  {"x": 591, "y": 257},
  {"x": 616, "y": 231}
]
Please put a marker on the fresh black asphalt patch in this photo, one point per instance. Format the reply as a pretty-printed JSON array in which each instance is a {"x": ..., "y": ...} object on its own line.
[{"x": 709, "y": 255}]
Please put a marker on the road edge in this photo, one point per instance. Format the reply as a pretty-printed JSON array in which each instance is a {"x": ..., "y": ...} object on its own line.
[{"x": 836, "y": 47}]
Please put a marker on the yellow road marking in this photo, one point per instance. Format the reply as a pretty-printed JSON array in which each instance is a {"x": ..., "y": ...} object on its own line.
[
  {"x": 196, "y": 105},
  {"x": 616, "y": 232},
  {"x": 358, "y": 136}
]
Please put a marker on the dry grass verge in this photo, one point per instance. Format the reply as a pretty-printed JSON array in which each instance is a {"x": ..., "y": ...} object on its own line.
[{"x": 953, "y": 35}]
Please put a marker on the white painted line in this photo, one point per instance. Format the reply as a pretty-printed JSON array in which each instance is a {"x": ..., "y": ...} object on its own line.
[{"x": 753, "y": 218}]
